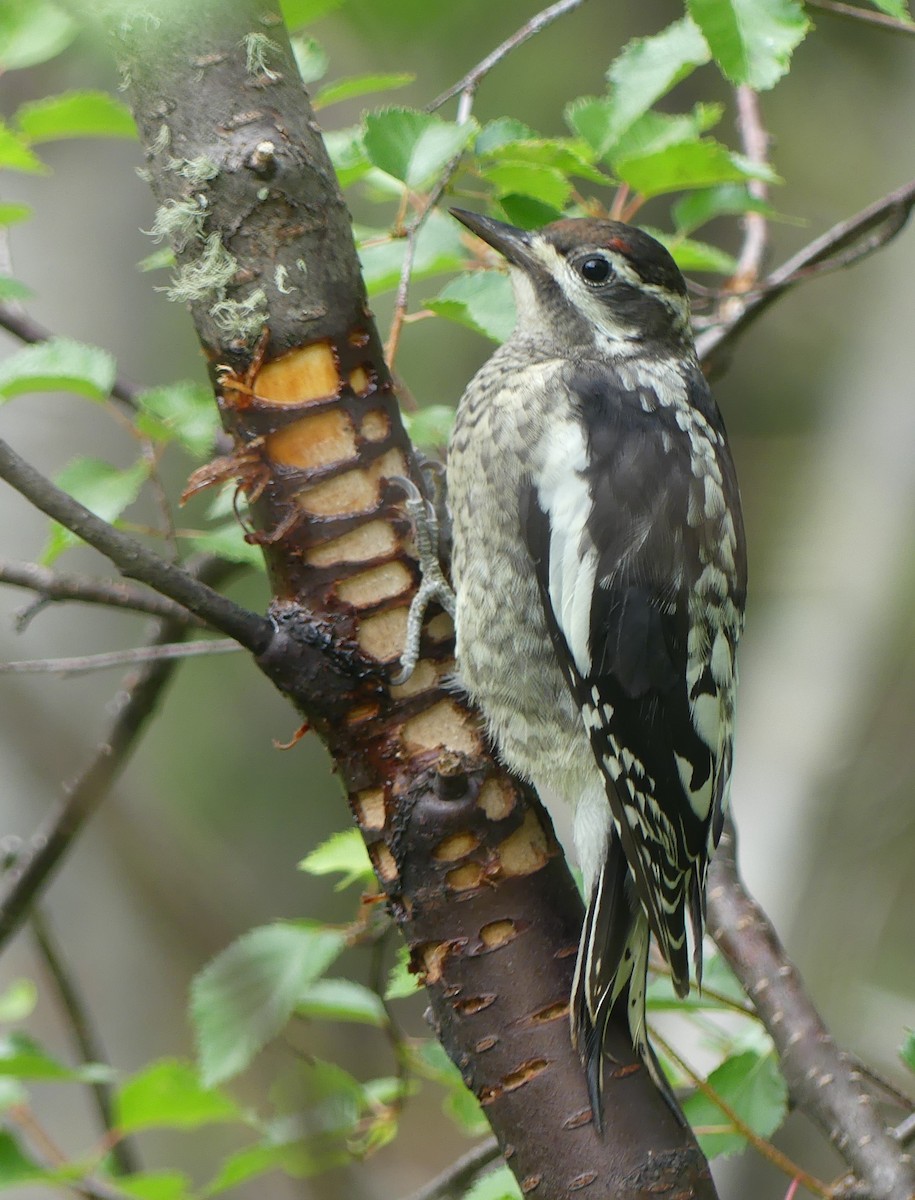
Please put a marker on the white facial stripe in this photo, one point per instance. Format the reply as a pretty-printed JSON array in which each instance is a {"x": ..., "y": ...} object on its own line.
[{"x": 585, "y": 300}]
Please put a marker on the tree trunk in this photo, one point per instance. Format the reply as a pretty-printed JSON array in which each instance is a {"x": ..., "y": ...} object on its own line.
[{"x": 467, "y": 857}]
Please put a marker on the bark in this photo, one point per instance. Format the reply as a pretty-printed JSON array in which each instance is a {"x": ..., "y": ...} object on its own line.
[{"x": 467, "y": 858}]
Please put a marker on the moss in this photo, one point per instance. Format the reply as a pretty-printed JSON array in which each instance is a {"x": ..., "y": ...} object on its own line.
[{"x": 206, "y": 276}]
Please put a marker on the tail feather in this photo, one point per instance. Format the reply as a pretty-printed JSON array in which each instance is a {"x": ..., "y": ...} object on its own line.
[{"x": 611, "y": 971}]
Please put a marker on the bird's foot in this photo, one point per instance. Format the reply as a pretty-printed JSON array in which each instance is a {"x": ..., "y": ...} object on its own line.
[{"x": 424, "y": 515}]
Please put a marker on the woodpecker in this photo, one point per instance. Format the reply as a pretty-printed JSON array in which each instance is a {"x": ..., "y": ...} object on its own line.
[{"x": 599, "y": 572}]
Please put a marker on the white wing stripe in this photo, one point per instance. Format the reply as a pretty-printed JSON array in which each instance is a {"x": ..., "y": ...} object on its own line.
[{"x": 565, "y": 498}]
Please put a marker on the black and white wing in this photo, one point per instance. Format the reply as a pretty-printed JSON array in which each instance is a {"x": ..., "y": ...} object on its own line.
[{"x": 636, "y": 537}]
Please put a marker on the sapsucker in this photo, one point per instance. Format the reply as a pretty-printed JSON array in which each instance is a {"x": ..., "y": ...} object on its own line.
[{"x": 599, "y": 568}]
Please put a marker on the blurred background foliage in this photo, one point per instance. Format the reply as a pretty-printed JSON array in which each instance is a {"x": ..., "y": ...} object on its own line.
[{"x": 201, "y": 837}]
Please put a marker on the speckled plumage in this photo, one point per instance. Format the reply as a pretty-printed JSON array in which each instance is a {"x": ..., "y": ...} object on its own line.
[{"x": 599, "y": 570}]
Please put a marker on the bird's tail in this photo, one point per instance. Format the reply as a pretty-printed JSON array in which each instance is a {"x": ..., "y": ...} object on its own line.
[{"x": 610, "y": 972}]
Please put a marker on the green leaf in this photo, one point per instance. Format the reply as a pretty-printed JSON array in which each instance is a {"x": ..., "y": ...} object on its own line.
[
  {"x": 499, "y": 133},
  {"x": 303, "y": 12},
  {"x": 568, "y": 156},
  {"x": 907, "y": 1049},
  {"x": 158, "y": 260},
  {"x": 58, "y": 365},
  {"x": 299, "y": 1159},
  {"x": 245, "y": 996},
  {"x": 347, "y": 152},
  {"x": 413, "y": 146},
  {"x": 752, "y": 40},
  {"x": 645, "y": 71},
  {"x": 462, "y": 1106},
  {"x": 752, "y": 1086},
  {"x": 438, "y": 249},
  {"x": 498, "y": 1185},
  {"x": 341, "y": 1000},
  {"x": 545, "y": 184},
  {"x": 686, "y": 165},
  {"x": 103, "y": 489},
  {"x": 169, "y": 1095},
  {"x": 717, "y": 975},
  {"x": 310, "y": 56},
  {"x": 352, "y": 86},
  {"x": 12, "y": 289},
  {"x": 15, "y": 153},
  {"x": 343, "y": 854},
  {"x": 690, "y": 255},
  {"x": 15, "y": 1165},
  {"x": 328, "y": 1102},
  {"x": 23, "y": 1058},
  {"x": 184, "y": 411},
  {"x": 654, "y": 132},
  {"x": 11, "y": 213},
  {"x": 32, "y": 31},
  {"x": 228, "y": 541},
  {"x": 429, "y": 426},
  {"x": 155, "y": 1185},
  {"x": 894, "y": 8},
  {"x": 481, "y": 300},
  {"x": 728, "y": 200},
  {"x": 401, "y": 981},
  {"x": 526, "y": 212},
  {"x": 18, "y": 1001},
  {"x": 75, "y": 114}
]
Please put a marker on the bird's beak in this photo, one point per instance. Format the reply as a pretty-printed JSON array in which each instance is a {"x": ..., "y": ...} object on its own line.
[{"x": 514, "y": 244}]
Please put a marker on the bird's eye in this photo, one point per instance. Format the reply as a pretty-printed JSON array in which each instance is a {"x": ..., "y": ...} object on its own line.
[{"x": 594, "y": 269}]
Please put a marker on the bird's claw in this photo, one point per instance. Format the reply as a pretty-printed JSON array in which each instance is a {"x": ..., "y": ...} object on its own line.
[{"x": 433, "y": 584}]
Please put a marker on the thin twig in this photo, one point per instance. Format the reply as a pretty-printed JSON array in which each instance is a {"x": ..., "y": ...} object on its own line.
[
  {"x": 465, "y": 88},
  {"x": 464, "y": 111},
  {"x": 471, "y": 80},
  {"x": 884, "y": 20},
  {"x": 47, "y": 1155},
  {"x": 84, "y": 1035},
  {"x": 392, "y": 1030},
  {"x": 55, "y": 587},
  {"x": 120, "y": 658},
  {"x": 759, "y": 1144},
  {"x": 29, "y": 330},
  {"x": 905, "y": 1130},
  {"x": 133, "y": 559},
  {"x": 820, "y": 1079},
  {"x": 135, "y": 703},
  {"x": 755, "y": 143},
  {"x": 862, "y": 234},
  {"x": 456, "y": 1179},
  {"x": 406, "y": 270}
]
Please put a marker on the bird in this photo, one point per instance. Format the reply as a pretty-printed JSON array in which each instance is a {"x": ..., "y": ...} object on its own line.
[{"x": 599, "y": 573}]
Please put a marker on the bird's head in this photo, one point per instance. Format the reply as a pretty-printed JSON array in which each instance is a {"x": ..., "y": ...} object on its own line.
[{"x": 591, "y": 282}]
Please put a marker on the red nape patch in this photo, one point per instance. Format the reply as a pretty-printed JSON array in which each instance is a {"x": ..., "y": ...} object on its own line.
[{"x": 618, "y": 243}]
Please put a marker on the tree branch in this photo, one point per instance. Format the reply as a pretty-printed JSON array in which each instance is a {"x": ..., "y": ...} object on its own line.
[
  {"x": 884, "y": 20},
  {"x": 755, "y": 143},
  {"x": 455, "y": 1180},
  {"x": 55, "y": 587},
  {"x": 846, "y": 243},
  {"x": 471, "y": 81},
  {"x": 120, "y": 658},
  {"x": 821, "y": 1080},
  {"x": 135, "y": 702},
  {"x": 133, "y": 559},
  {"x": 84, "y": 1035},
  {"x": 31, "y": 331}
]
